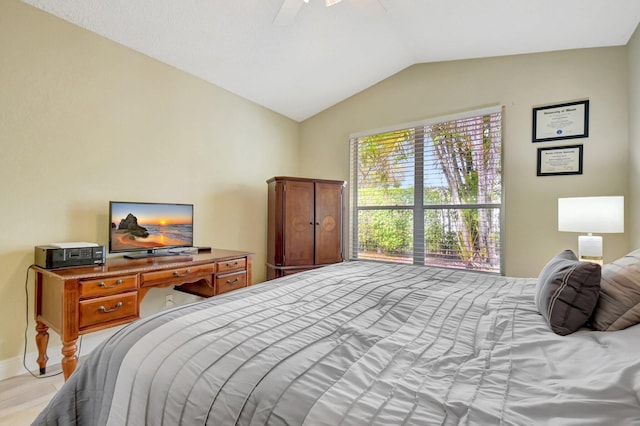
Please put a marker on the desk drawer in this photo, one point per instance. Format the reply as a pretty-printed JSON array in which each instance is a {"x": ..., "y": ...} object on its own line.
[
  {"x": 108, "y": 309},
  {"x": 176, "y": 276},
  {"x": 232, "y": 265},
  {"x": 102, "y": 287},
  {"x": 232, "y": 281}
]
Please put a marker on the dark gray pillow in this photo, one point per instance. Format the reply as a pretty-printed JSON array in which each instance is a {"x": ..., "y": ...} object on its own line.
[
  {"x": 619, "y": 303},
  {"x": 567, "y": 292}
]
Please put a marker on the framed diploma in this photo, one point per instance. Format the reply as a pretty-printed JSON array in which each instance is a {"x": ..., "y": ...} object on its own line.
[
  {"x": 563, "y": 121},
  {"x": 560, "y": 160}
]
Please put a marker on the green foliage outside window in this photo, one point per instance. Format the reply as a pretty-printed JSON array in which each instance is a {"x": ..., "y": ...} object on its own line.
[{"x": 462, "y": 167}]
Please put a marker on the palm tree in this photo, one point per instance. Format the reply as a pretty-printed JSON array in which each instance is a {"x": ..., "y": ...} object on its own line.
[{"x": 468, "y": 152}]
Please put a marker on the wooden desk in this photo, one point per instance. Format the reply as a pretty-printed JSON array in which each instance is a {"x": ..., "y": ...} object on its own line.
[{"x": 81, "y": 300}]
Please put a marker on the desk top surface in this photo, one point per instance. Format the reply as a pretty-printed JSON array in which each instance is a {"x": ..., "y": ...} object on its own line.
[{"x": 121, "y": 265}]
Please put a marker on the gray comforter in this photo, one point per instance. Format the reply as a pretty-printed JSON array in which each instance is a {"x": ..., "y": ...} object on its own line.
[{"x": 355, "y": 344}]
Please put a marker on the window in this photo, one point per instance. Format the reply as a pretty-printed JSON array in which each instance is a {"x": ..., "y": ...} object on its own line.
[{"x": 430, "y": 193}]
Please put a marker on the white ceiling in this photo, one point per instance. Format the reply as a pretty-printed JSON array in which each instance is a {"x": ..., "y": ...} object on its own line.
[{"x": 326, "y": 54}]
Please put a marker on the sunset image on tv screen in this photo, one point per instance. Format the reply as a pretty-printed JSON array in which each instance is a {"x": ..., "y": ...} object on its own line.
[{"x": 143, "y": 226}]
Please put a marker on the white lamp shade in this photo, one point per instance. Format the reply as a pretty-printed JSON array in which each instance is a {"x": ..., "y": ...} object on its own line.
[{"x": 602, "y": 215}]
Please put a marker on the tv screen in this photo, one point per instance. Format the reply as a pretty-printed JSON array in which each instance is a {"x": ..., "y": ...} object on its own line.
[{"x": 149, "y": 226}]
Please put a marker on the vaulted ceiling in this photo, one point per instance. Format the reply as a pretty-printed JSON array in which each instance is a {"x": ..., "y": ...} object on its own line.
[{"x": 300, "y": 58}]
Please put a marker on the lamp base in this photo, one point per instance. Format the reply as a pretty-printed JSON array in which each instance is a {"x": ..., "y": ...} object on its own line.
[
  {"x": 591, "y": 259},
  {"x": 590, "y": 248}
]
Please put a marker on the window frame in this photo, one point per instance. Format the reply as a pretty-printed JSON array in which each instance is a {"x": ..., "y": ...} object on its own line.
[{"x": 419, "y": 207}]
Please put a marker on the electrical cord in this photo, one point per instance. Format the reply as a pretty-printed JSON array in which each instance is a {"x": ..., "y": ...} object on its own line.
[{"x": 26, "y": 329}]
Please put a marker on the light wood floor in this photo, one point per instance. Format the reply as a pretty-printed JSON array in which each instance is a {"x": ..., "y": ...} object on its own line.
[{"x": 23, "y": 397}]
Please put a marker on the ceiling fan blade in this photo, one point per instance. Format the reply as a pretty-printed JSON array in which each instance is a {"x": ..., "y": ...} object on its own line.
[{"x": 288, "y": 11}]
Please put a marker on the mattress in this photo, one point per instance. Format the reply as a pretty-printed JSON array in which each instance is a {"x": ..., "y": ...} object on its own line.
[{"x": 357, "y": 343}]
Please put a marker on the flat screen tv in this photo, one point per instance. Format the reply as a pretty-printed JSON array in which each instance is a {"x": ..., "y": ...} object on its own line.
[{"x": 150, "y": 228}]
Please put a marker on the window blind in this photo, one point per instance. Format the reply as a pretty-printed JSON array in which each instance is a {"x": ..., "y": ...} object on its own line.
[{"x": 430, "y": 192}]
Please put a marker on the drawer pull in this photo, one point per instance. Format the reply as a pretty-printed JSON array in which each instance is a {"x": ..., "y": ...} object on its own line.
[
  {"x": 104, "y": 285},
  {"x": 178, "y": 274},
  {"x": 233, "y": 281},
  {"x": 106, "y": 311},
  {"x": 229, "y": 264}
]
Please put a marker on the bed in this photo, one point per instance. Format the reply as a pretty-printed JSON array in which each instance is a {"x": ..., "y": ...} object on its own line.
[{"x": 358, "y": 343}]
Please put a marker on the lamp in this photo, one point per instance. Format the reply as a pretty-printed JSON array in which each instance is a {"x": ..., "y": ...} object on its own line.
[{"x": 591, "y": 214}]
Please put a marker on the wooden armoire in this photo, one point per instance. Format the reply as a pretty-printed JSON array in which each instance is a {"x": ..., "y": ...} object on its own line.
[{"x": 305, "y": 224}]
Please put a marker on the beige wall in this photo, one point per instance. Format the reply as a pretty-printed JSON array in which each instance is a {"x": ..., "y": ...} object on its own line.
[
  {"x": 84, "y": 120},
  {"x": 519, "y": 83},
  {"x": 634, "y": 139}
]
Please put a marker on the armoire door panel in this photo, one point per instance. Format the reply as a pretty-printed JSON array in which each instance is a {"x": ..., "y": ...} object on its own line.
[
  {"x": 328, "y": 223},
  {"x": 275, "y": 225},
  {"x": 298, "y": 223}
]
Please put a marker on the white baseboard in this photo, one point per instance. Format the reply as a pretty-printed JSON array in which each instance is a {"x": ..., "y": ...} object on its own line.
[{"x": 12, "y": 367}]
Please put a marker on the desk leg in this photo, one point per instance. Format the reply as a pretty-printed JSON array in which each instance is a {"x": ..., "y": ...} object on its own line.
[
  {"x": 42, "y": 340},
  {"x": 69, "y": 359}
]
